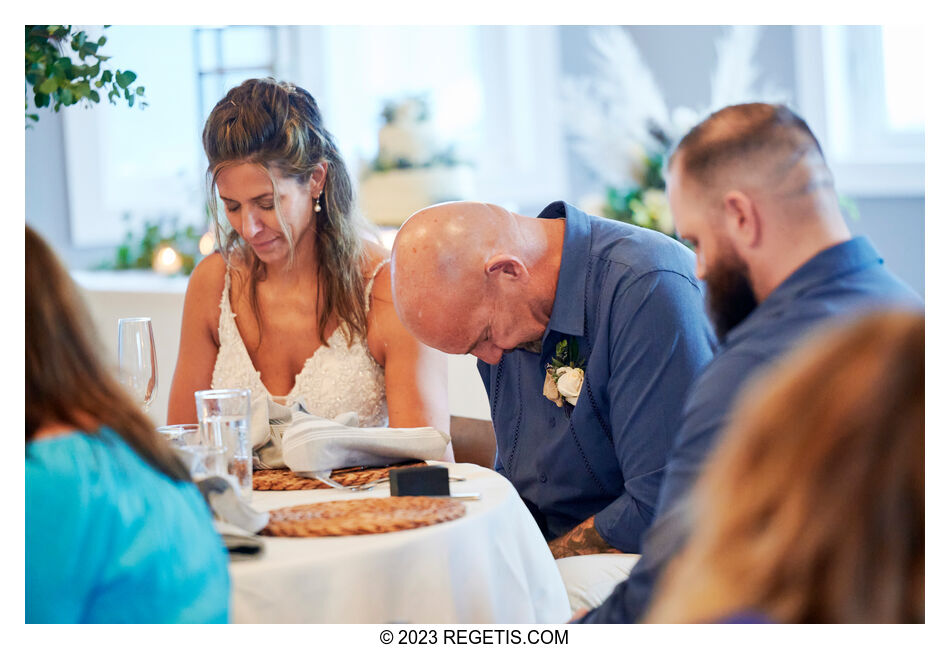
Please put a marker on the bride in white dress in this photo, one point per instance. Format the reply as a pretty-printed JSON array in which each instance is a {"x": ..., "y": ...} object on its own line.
[{"x": 297, "y": 307}]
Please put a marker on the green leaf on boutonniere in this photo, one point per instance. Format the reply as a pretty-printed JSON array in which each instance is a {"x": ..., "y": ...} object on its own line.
[{"x": 567, "y": 354}]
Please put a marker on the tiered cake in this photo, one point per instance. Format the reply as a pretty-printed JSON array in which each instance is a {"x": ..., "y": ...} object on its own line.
[{"x": 413, "y": 169}]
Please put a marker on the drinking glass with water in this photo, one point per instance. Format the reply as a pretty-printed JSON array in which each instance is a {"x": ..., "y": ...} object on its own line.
[
  {"x": 224, "y": 417},
  {"x": 188, "y": 443}
]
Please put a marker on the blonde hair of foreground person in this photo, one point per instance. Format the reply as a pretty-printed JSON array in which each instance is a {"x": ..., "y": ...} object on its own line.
[{"x": 812, "y": 509}]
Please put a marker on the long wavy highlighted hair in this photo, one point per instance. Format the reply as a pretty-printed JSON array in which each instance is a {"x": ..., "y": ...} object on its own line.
[
  {"x": 66, "y": 379},
  {"x": 278, "y": 126},
  {"x": 812, "y": 508}
]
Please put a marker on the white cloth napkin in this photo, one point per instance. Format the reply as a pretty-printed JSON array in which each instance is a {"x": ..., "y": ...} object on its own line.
[
  {"x": 222, "y": 496},
  {"x": 268, "y": 453},
  {"x": 312, "y": 443}
]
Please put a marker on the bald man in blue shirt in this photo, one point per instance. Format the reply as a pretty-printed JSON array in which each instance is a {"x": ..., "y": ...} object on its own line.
[{"x": 523, "y": 293}]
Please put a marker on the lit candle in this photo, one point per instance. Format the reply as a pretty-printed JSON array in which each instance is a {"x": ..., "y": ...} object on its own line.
[
  {"x": 206, "y": 243},
  {"x": 167, "y": 261}
]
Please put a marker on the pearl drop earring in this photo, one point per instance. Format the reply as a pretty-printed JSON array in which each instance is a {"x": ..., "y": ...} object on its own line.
[{"x": 316, "y": 204}]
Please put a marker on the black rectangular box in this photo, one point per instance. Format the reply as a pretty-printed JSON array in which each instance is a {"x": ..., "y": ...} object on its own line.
[{"x": 419, "y": 481}]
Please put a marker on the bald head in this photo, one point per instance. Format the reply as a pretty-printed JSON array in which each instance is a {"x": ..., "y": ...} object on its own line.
[
  {"x": 456, "y": 265},
  {"x": 450, "y": 241}
]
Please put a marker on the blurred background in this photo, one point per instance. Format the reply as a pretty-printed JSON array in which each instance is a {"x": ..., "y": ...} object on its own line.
[{"x": 515, "y": 115}]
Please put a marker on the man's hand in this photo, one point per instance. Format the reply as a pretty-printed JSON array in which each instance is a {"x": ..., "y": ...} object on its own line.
[{"x": 583, "y": 539}]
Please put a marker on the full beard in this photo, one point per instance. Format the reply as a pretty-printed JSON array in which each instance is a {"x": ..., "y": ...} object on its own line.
[{"x": 729, "y": 295}]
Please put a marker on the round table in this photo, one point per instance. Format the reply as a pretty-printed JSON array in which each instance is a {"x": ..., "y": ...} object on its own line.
[{"x": 490, "y": 566}]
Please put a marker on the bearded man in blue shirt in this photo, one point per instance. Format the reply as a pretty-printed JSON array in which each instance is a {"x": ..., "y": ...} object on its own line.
[
  {"x": 610, "y": 310},
  {"x": 751, "y": 191}
]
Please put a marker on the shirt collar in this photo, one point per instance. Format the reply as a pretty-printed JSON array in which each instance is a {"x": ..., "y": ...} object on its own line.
[
  {"x": 567, "y": 314},
  {"x": 833, "y": 262}
]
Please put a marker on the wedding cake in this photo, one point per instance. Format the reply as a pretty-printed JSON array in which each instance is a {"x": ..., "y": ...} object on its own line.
[{"x": 413, "y": 169}]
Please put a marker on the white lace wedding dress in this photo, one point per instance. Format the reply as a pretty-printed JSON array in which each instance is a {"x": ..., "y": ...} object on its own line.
[{"x": 337, "y": 379}]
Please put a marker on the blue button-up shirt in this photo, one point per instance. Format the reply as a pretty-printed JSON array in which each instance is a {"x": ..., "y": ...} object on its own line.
[
  {"x": 843, "y": 281},
  {"x": 629, "y": 298}
]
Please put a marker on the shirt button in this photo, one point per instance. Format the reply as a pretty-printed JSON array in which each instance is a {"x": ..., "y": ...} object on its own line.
[
  {"x": 542, "y": 477},
  {"x": 552, "y": 421}
]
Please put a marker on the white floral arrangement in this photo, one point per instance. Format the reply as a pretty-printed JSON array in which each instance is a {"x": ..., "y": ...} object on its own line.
[{"x": 620, "y": 126}]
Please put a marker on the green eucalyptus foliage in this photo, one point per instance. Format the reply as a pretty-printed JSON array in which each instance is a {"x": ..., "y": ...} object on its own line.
[{"x": 61, "y": 77}]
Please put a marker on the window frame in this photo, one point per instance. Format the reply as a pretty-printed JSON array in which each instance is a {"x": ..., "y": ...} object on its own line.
[{"x": 886, "y": 163}]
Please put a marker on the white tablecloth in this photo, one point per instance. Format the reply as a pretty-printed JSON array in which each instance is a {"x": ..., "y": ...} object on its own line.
[{"x": 491, "y": 565}]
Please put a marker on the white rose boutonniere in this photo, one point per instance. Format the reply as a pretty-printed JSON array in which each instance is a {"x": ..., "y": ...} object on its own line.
[
  {"x": 564, "y": 375},
  {"x": 569, "y": 382}
]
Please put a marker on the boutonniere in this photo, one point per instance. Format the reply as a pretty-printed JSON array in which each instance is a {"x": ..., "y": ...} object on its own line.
[{"x": 564, "y": 375}]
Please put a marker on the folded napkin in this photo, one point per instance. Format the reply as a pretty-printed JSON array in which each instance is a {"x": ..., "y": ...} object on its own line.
[
  {"x": 267, "y": 447},
  {"x": 318, "y": 445},
  {"x": 222, "y": 497},
  {"x": 269, "y": 454}
]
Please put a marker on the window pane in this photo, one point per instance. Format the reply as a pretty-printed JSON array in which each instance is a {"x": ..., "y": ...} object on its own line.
[
  {"x": 208, "y": 54},
  {"x": 904, "y": 76},
  {"x": 212, "y": 90},
  {"x": 140, "y": 162},
  {"x": 380, "y": 64},
  {"x": 246, "y": 47}
]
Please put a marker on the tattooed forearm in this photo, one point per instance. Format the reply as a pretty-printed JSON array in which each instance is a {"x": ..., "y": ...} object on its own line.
[{"x": 583, "y": 539}]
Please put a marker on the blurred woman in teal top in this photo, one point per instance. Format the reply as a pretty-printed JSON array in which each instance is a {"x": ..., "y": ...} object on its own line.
[{"x": 115, "y": 530}]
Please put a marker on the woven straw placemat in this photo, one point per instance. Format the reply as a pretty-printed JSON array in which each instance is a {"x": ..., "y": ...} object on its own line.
[
  {"x": 361, "y": 516},
  {"x": 286, "y": 480}
]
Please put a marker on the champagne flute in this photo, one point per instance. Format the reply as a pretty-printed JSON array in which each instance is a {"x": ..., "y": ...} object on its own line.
[{"x": 137, "y": 362}]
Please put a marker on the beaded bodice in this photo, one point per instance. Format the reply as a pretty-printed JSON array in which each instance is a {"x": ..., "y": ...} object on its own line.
[{"x": 335, "y": 380}]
